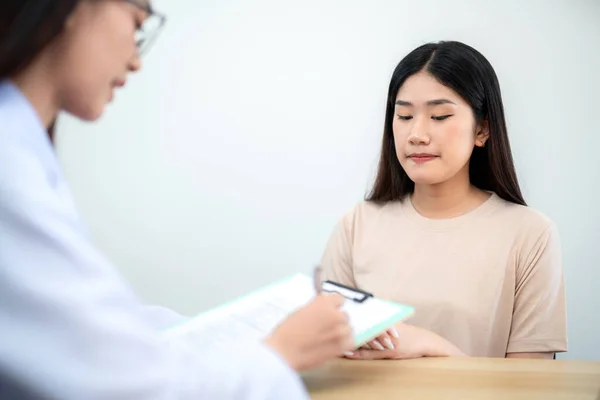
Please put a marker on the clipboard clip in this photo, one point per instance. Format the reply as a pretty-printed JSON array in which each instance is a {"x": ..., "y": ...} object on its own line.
[{"x": 348, "y": 292}]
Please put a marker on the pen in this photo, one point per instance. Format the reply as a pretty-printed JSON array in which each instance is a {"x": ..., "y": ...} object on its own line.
[{"x": 317, "y": 279}]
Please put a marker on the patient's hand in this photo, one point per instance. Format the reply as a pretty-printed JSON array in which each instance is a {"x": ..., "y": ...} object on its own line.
[{"x": 405, "y": 341}]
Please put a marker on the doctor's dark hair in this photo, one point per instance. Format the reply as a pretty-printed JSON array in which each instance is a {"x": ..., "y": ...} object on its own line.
[
  {"x": 468, "y": 73},
  {"x": 26, "y": 28}
]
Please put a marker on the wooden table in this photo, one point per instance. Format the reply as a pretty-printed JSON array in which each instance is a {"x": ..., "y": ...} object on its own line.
[{"x": 455, "y": 378}]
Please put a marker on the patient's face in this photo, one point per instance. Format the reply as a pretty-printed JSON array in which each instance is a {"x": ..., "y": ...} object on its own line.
[{"x": 434, "y": 131}]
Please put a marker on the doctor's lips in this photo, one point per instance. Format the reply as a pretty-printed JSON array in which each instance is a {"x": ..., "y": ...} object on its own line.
[{"x": 422, "y": 157}]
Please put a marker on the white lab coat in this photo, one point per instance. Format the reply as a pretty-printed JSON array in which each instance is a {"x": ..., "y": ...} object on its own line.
[{"x": 70, "y": 328}]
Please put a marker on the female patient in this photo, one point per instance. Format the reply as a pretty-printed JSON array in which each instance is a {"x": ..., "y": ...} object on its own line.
[{"x": 445, "y": 227}]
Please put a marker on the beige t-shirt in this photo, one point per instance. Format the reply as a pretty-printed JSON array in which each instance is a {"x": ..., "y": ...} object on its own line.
[{"x": 489, "y": 281}]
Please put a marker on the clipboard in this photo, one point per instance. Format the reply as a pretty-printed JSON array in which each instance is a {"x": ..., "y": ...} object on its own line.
[
  {"x": 257, "y": 314},
  {"x": 348, "y": 292},
  {"x": 369, "y": 316}
]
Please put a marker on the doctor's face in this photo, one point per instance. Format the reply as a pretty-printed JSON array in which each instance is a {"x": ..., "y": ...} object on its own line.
[{"x": 95, "y": 54}]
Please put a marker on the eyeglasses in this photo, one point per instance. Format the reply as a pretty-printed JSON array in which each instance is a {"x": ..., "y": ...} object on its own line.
[{"x": 146, "y": 34}]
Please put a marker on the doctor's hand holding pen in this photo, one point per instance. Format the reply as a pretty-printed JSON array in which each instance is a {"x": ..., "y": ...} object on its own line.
[{"x": 314, "y": 334}]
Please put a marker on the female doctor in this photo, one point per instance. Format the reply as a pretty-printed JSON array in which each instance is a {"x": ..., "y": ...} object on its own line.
[{"x": 70, "y": 328}]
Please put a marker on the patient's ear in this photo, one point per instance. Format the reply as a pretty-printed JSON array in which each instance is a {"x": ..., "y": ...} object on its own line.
[{"x": 482, "y": 133}]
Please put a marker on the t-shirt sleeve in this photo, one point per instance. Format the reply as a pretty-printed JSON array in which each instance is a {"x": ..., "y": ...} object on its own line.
[
  {"x": 337, "y": 263},
  {"x": 539, "y": 314}
]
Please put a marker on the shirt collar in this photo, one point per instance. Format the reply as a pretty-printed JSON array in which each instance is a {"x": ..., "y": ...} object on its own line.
[{"x": 21, "y": 125}]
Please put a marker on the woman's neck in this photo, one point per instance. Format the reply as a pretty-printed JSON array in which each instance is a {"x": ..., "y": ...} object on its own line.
[
  {"x": 448, "y": 199},
  {"x": 36, "y": 84}
]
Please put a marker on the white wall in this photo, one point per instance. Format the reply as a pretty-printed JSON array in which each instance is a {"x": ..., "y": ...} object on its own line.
[{"x": 227, "y": 162}]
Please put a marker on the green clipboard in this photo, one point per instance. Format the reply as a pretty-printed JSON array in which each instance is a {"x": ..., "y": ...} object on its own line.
[
  {"x": 266, "y": 307},
  {"x": 381, "y": 314}
]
